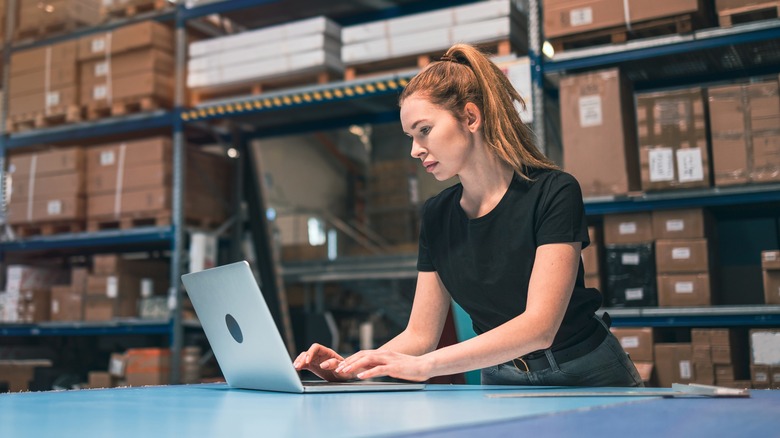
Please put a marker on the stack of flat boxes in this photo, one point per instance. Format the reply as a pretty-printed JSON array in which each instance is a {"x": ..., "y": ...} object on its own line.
[
  {"x": 67, "y": 301},
  {"x": 397, "y": 37},
  {"x": 745, "y": 121},
  {"x": 673, "y": 152},
  {"x": 43, "y": 81},
  {"x": 393, "y": 200},
  {"x": 595, "y": 106},
  {"x": 770, "y": 265},
  {"x": 134, "y": 179},
  {"x": 683, "y": 257},
  {"x": 27, "y": 293},
  {"x": 630, "y": 260},
  {"x": 765, "y": 358},
  {"x": 47, "y": 187},
  {"x": 721, "y": 357},
  {"x": 126, "y": 65},
  {"x": 36, "y": 16},
  {"x": 305, "y": 46},
  {"x": 591, "y": 259},
  {"x": 638, "y": 343},
  {"x": 116, "y": 286}
]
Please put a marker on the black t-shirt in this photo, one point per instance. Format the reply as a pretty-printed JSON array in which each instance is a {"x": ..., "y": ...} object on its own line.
[{"x": 485, "y": 263}]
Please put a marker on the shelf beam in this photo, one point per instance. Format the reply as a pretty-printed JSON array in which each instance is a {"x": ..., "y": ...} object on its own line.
[
  {"x": 713, "y": 316},
  {"x": 91, "y": 239},
  {"x": 134, "y": 327}
]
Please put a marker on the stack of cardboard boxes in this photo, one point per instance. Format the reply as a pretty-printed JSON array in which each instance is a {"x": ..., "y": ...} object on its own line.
[
  {"x": 132, "y": 65},
  {"x": 28, "y": 293},
  {"x": 37, "y": 18},
  {"x": 571, "y": 17},
  {"x": 720, "y": 357},
  {"x": 489, "y": 21},
  {"x": 43, "y": 84},
  {"x": 302, "y": 47},
  {"x": 765, "y": 358},
  {"x": 630, "y": 260},
  {"x": 116, "y": 286},
  {"x": 133, "y": 180},
  {"x": 638, "y": 343},
  {"x": 683, "y": 257},
  {"x": 770, "y": 265},
  {"x": 47, "y": 187},
  {"x": 673, "y": 151},
  {"x": 673, "y": 363},
  {"x": 597, "y": 106},
  {"x": 67, "y": 301},
  {"x": 745, "y": 121},
  {"x": 393, "y": 199}
]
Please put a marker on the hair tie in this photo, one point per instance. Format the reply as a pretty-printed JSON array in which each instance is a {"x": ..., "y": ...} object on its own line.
[{"x": 449, "y": 58}]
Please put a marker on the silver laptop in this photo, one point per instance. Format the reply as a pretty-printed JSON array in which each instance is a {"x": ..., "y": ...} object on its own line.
[{"x": 244, "y": 337}]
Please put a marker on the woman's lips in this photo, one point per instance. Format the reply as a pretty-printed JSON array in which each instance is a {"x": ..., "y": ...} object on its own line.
[{"x": 430, "y": 166}]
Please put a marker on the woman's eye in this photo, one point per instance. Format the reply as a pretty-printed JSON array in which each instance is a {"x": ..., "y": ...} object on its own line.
[{"x": 425, "y": 131}]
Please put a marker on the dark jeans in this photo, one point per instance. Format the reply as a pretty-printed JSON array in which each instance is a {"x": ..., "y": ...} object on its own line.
[{"x": 607, "y": 365}]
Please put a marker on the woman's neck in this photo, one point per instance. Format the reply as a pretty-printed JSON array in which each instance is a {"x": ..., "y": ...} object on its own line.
[{"x": 484, "y": 185}]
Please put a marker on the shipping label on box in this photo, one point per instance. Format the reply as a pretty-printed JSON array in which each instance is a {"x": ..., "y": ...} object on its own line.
[{"x": 682, "y": 255}]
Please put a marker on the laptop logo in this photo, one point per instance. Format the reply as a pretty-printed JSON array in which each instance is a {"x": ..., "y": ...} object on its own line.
[{"x": 233, "y": 328}]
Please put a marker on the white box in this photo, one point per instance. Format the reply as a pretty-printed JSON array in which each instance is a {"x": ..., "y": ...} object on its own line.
[
  {"x": 765, "y": 347},
  {"x": 482, "y": 11},
  {"x": 364, "y": 32},
  {"x": 266, "y": 35},
  {"x": 426, "y": 20},
  {"x": 243, "y": 55},
  {"x": 366, "y": 51},
  {"x": 420, "y": 42},
  {"x": 482, "y": 31},
  {"x": 22, "y": 277}
]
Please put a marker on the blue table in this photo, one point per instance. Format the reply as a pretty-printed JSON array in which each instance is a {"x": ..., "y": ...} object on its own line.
[{"x": 214, "y": 410}]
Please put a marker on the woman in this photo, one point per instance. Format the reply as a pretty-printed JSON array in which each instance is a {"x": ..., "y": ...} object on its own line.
[{"x": 504, "y": 244}]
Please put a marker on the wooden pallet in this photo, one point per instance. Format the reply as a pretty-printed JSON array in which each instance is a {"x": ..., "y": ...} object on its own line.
[
  {"x": 54, "y": 116},
  {"x": 745, "y": 14},
  {"x": 132, "y": 8},
  {"x": 679, "y": 24},
  {"x": 48, "y": 30},
  {"x": 388, "y": 66},
  {"x": 133, "y": 220},
  {"x": 253, "y": 88},
  {"x": 99, "y": 110},
  {"x": 47, "y": 228}
]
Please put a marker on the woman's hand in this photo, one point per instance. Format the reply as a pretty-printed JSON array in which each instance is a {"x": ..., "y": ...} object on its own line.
[
  {"x": 321, "y": 361},
  {"x": 376, "y": 363}
]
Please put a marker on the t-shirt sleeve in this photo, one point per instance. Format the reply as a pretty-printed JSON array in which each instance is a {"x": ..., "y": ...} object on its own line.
[
  {"x": 561, "y": 215},
  {"x": 424, "y": 262}
]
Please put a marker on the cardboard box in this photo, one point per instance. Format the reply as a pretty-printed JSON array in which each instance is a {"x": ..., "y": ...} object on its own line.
[
  {"x": 102, "y": 308},
  {"x": 128, "y": 63},
  {"x": 50, "y": 78},
  {"x": 145, "y": 84},
  {"x": 148, "y": 366},
  {"x": 745, "y": 143},
  {"x": 673, "y": 150},
  {"x": 64, "y": 184},
  {"x": 645, "y": 370},
  {"x": 724, "y": 374},
  {"x": 704, "y": 372},
  {"x": 100, "y": 379},
  {"x": 765, "y": 347},
  {"x": 630, "y": 275},
  {"x": 17, "y": 374},
  {"x": 694, "y": 223},
  {"x": 595, "y": 106},
  {"x": 34, "y": 305},
  {"x": 682, "y": 255},
  {"x": 66, "y": 304},
  {"x": 47, "y": 209},
  {"x": 637, "y": 342},
  {"x": 770, "y": 260},
  {"x": 116, "y": 264},
  {"x": 628, "y": 228},
  {"x": 673, "y": 364},
  {"x": 55, "y": 161},
  {"x": 563, "y": 17},
  {"x": 136, "y": 152},
  {"x": 39, "y": 58},
  {"x": 145, "y": 34},
  {"x": 44, "y": 102},
  {"x": 679, "y": 290},
  {"x": 702, "y": 353},
  {"x": 771, "y": 286},
  {"x": 20, "y": 278},
  {"x": 774, "y": 373}
]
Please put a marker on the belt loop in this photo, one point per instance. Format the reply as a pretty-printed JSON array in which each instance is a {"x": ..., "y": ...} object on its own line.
[{"x": 551, "y": 358}]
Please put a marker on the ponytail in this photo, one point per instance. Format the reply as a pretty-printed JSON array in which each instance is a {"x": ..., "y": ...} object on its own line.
[{"x": 463, "y": 75}]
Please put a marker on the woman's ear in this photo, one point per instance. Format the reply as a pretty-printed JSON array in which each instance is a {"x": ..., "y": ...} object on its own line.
[{"x": 473, "y": 117}]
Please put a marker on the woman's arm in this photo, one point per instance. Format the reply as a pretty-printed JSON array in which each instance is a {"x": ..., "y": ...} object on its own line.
[{"x": 549, "y": 291}]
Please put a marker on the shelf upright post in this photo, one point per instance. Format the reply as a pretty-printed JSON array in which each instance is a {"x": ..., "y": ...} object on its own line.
[
  {"x": 537, "y": 74},
  {"x": 177, "y": 214},
  {"x": 10, "y": 12}
]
